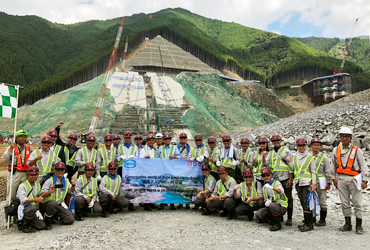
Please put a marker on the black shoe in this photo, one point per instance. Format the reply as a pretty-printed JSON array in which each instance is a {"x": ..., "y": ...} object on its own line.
[
  {"x": 28, "y": 229},
  {"x": 347, "y": 226},
  {"x": 131, "y": 207},
  {"x": 275, "y": 227},
  {"x": 48, "y": 221},
  {"x": 359, "y": 229},
  {"x": 172, "y": 206},
  {"x": 104, "y": 213},
  {"x": 187, "y": 206},
  {"x": 308, "y": 225},
  {"x": 289, "y": 222},
  {"x": 79, "y": 217},
  {"x": 147, "y": 207},
  {"x": 320, "y": 223},
  {"x": 152, "y": 205},
  {"x": 180, "y": 206},
  {"x": 161, "y": 207},
  {"x": 195, "y": 208},
  {"x": 250, "y": 217},
  {"x": 231, "y": 216},
  {"x": 207, "y": 212},
  {"x": 224, "y": 214}
]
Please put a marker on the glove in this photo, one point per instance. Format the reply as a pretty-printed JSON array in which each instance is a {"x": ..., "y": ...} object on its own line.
[
  {"x": 91, "y": 204},
  {"x": 233, "y": 162},
  {"x": 218, "y": 163},
  {"x": 64, "y": 205},
  {"x": 268, "y": 186},
  {"x": 200, "y": 158},
  {"x": 268, "y": 202},
  {"x": 65, "y": 175},
  {"x": 131, "y": 157},
  {"x": 123, "y": 158},
  {"x": 192, "y": 159},
  {"x": 39, "y": 215},
  {"x": 98, "y": 178}
]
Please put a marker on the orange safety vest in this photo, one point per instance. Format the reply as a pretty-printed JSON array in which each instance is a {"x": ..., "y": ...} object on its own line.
[
  {"x": 348, "y": 168},
  {"x": 19, "y": 166}
]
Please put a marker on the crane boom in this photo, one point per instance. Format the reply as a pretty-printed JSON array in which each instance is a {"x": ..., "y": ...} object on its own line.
[{"x": 99, "y": 103}]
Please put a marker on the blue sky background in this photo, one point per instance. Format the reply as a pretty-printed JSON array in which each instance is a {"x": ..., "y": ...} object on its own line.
[{"x": 297, "y": 18}]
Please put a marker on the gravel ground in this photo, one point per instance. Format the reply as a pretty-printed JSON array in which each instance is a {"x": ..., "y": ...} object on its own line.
[{"x": 186, "y": 229}]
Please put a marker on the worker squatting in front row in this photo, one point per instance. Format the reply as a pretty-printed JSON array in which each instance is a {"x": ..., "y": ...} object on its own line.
[{"x": 236, "y": 182}]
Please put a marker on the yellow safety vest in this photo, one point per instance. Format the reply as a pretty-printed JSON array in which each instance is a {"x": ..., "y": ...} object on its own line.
[
  {"x": 300, "y": 172},
  {"x": 276, "y": 196},
  {"x": 244, "y": 191},
  {"x": 44, "y": 170},
  {"x": 106, "y": 161},
  {"x": 36, "y": 190},
  {"x": 86, "y": 190}
]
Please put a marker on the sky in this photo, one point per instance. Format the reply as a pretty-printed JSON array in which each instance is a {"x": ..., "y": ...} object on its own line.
[{"x": 294, "y": 18}]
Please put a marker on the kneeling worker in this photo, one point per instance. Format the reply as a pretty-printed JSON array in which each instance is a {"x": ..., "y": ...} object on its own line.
[
  {"x": 86, "y": 193},
  {"x": 110, "y": 187},
  {"x": 209, "y": 183}
]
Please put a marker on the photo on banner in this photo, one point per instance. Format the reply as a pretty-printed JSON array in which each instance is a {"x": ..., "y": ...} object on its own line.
[{"x": 162, "y": 180}]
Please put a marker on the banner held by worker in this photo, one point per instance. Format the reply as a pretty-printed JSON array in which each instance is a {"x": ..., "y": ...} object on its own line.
[{"x": 161, "y": 180}]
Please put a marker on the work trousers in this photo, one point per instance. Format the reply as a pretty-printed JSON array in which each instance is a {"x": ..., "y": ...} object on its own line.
[
  {"x": 347, "y": 193},
  {"x": 217, "y": 205},
  {"x": 120, "y": 201},
  {"x": 267, "y": 212},
  {"x": 18, "y": 178},
  {"x": 288, "y": 192},
  {"x": 302, "y": 195},
  {"x": 245, "y": 209},
  {"x": 322, "y": 197},
  {"x": 81, "y": 204},
  {"x": 202, "y": 200},
  {"x": 29, "y": 213},
  {"x": 51, "y": 208}
]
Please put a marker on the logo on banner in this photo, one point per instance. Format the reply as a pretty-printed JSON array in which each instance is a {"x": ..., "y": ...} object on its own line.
[
  {"x": 192, "y": 164},
  {"x": 130, "y": 164}
]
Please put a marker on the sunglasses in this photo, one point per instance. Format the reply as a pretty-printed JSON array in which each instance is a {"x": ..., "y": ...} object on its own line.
[
  {"x": 265, "y": 175},
  {"x": 275, "y": 140},
  {"x": 262, "y": 143},
  {"x": 183, "y": 138},
  {"x": 247, "y": 177},
  {"x": 58, "y": 169},
  {"x": 205, "y": 170},
  {"x": 211, "y": 142},
  {"x": 244, "y": 143},
  {"x": 167, "y": 139},
  {"x": 108, "y": 140},
  {"x": 198, "y": 140},
  {"x": 226, "y": 141}
]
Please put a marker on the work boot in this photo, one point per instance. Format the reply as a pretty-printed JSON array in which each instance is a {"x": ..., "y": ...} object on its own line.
[
  {"x": 207, "y": 212},
  {"x": 196, "y": 207},
  {"x": 231, "y": 216},
  {"x": 308, "y": 226},
  {"x": 104, "y": 212},
  {"x": 359, "y": 229},
  {"x": 187, "y": 206},
  {"x": 79, "y": 216},
  {"x": 276, "y": 226},
  {"x": 250, "y": 216},
  {"x": 347, "y": 226},
  {"x": 147, "y": 207},
  {"x": 290, "y": 214},
  {"x": 161, "y": 207},
  {"x": 172, "y": 206},
  {"x": 180, "y": 206},
  {"x": 322, "y": 221},
  {"x": 224, "y": 213},
  {"x": 131, "y": 207},
  {"x": 152, "y": 205},
  {"x": 20, "y": 224},
  {"x": 27, "y": 228},
  {"x": 48, "y": 221}
]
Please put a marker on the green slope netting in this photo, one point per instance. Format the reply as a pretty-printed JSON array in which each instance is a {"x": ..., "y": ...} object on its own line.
[
  {"x": 217, "y": 107},
  {"x": 74, "y": 106}
]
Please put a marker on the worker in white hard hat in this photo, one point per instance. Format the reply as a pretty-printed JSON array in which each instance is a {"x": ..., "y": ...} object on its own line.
[
  {"x": 350, "y": 165},
  {"x": 158, "y": 140}
]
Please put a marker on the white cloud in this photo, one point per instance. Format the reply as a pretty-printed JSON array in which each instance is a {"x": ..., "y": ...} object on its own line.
[{"x": 334, "y": 17}]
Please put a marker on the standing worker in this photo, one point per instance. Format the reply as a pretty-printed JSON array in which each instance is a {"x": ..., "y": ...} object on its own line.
[
  {"x": 126, "y": 150},
  {"x": 303, "y": 168},
  {"x": 324, "y": 169},
  {"x": 214, "y": 157},
  {"x": 158, "y": 140},
  {"x": 105, "y": 155},
  {"x": 58, "y": 149},
  {"x": 184, "y": 146},
  {"x": 149, "y": 151},
  {"x": 259, "y": 159},
  {"x": 277, "y": 161},
  {"x": 199, "y": 152},
  {"x": 138, "y": 143},
  {"x": 246, "y": 158},
  {"x": 22, "y": 152},
  {"x": 229, "y": 156},
  {"x": 86, "y": 154},
  {"x": 349, "y": 162}
]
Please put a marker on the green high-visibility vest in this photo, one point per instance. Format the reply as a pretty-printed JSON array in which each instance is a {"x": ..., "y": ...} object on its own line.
[
  {"x": 57, "y": 149},
  {"x": 194, "y": 152},
  {"x": 86, "y": 158},
  {"x": 318, "y": 160},
  {"x": 116, "y": 188},
  {"x": 221, "y": 190},
  {"x": 300, "y": 172},
  {"x": 163, "y": 151},
  {"x": 214, "y": 168},
  {"x": 122, "y": 152},
  {"x": 106, "y": 161},
  {"x": 44, "y": 170},
  {"x": 86, "y": 190},
  {"x": 58, "y": 198},
  {"x": 206, "y": 184},
  {"x": 36, "y": 190},
  {"x": 276, "y": 196},
  {"x": 259, "y": 164},
  {"x": 70, "y": 161},
  {"x": 244, "y": 191},
  {"x": 278, "y": 165},
  {"x": 155, "y": 152},
  {"x": 246, "y": 157}
]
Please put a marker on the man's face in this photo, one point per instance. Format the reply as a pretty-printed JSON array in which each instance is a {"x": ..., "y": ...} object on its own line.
[
  {"x": 59, "y": 172},
  {"x": 167, "y": 141},
  {"x": 211, "y": 144},
  {"x": 113, "y": 171},
  {"x": 45, "y": 145},
  {"x": 138, "y": 141},
  {"x": 227, "y": 143},
  {"x": 316, "y": 147},
  {"x": 54, "y": 139},
  {"x": 33, "y": 177},
  {"x": 72, "y": 141},
  {"x": 198, "y": 142},
  {"x": 127, "y": 140},
  {"x": 301, "y": 148},
  {"x": 183, "y": 140},
  {"x": 21, "y": 139},
  {"x": 90, "y": 144},
  {"x": 159, "y": 141},
  {"x": 205, "y": 172},
  {"x": 276, "y": 143},
  {"x": 223, "y": 177},
  {"x": 345, "y": 139},
  {"x": 89, "y": 173},
  {"x": 116, "y": 142},
  {"x": 244, "y": 145},
  {"x": 150, "y": 142},
  {"x": 108, "y": 143}
]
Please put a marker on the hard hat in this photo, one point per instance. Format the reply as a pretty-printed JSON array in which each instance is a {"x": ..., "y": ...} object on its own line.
[
  {"x": 52, "y": 133},
  {"x": 345, "y": 130},
  {"x": 158, "y": 136},
  {"x": 226, "y": 137},
  {"x": 21, "y": 132},
  {"x": 91, "y": 138},
  {"x": 205, "y": 166},
  {"x": 301, "y": 141},
  {"x": 265, "y": 171},
  {"x": 60, "y": 165},
  {"x": 211, "y": 139},
  {"x": 276, "y": 137},
  {"x": 108, "y": 137},
  {"x": 222, "y": 170},
  {"x": 112, "y": 165},
  {"x": 116, "y": 136},
  {"x": 247, "y": 172},
  {"x": 33, "y": 170},
  {"x": 127, "y": 134},
  {"x": 72, "y": 136},
  {"x": 150, "y": 136},
  {"x": 183, "y": 135},
  {"x": 138, "y": 136},
  {"x": 46, "y": 138},
  {"x": 244, "y": 140},
  {"x": 263, "y": 139},
  {"x": 198, "y": 137},
  {"x": 167, "y": 136},
  {"x": 315, "y": 140},
  {"x": 89, "y": 166}
]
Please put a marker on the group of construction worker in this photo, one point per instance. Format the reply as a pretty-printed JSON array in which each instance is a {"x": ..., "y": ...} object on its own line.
[{"x": 256, "y": 183}]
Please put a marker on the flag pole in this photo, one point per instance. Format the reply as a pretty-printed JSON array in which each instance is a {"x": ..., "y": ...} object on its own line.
[{"x": 11, "y": 170}]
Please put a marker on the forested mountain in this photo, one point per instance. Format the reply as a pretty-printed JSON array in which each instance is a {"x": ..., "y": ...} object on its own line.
[{"x": 46, "y": 57}]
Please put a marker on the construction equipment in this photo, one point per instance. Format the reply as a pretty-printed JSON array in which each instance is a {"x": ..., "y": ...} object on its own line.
[
  {"x": 99, "y": 104},
  {"x": 346, "y": 52},
  {"x": 124, "y": 55}
]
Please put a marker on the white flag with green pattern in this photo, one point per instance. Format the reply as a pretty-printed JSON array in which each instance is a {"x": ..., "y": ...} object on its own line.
[{"x": 8, "y": 101}]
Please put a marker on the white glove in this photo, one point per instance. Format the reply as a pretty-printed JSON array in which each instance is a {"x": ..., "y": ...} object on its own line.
[
  {"x": 218, "y": 163},
  {"x": 268, "y": 202},
  {"x": 64, "y": 205},
  {"x": 65, "y": 175},
  {"x": 98, "y": 178},
  {"x": 123, "y": 158},
  {"x": 131, "y": 157},
  {"x": 91, "y": 204},
  {"x": 233, "y": 162},
  {"x": 192, "y": 159},
  {"x": 39, "y": 215},
  {"x": 200, "y": 158},
  {"x": 268, "y": 186}
]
